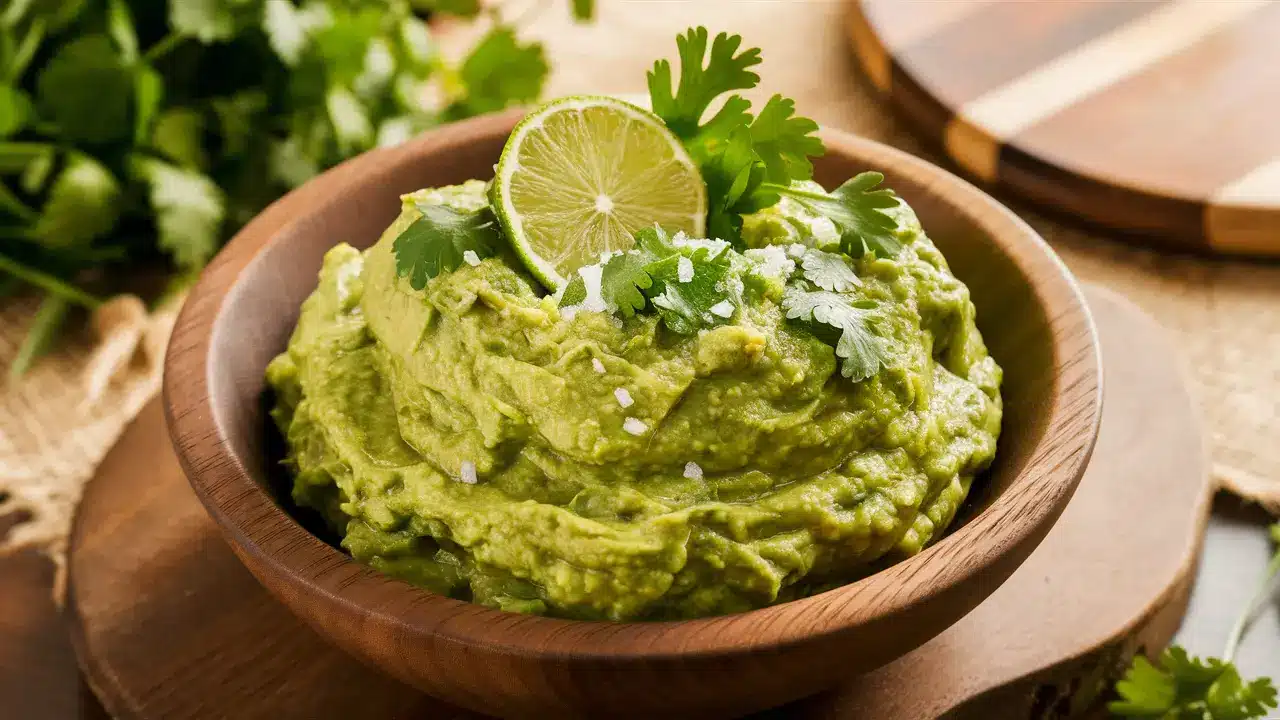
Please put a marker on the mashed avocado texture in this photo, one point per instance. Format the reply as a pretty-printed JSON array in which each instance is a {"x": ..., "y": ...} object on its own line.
[{"x": 477, "y": 440}]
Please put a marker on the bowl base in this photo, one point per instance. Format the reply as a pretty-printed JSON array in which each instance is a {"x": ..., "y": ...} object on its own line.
[{"x": 168, "y": 624}]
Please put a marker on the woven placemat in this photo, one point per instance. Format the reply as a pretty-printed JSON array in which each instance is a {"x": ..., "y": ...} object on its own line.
[{"x": 1224, "y": 315}]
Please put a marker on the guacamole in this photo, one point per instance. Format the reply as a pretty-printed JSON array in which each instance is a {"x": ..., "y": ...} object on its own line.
[{"x": 480, "y": 440}]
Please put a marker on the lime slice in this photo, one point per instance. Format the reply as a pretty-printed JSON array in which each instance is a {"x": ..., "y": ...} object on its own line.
[{"x": 579, "y": 175}]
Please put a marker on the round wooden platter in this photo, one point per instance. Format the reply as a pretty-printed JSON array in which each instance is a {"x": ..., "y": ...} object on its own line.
[
  {"x": 1152, "y": 117},
  {"x": 167, "y": 624}
]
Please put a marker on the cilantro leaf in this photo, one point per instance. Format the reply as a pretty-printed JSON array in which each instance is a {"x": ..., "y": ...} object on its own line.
[
  {"x": 500, "y": 72},
  {"x": 83, "y": 204},
  {"x": 726, "y": 70},
  {"x": 655, "y": 242},
  {"x": 624, "y": 277},
  {"x": 15, "y": 110},
  {"x": 340, "y": 39},
  {"x": 286, "y": 29},
  {"x": 87, "y": 91},
  {"x": 702, "y": 300},
  {"x": 622, "y": 281},
  {"x": 855, "y": 208},
  {"x": 740, "y": 156},
  {"x": 179, "y": 135},
  {"x": 210, "y": 21},
  {"x": 733, "y": 179},
  {"x": 689, "y": 288},
  {"x": 863, "y": 352},
  {"x": 189, "y": 211},
  {"x": 785, "y": 142},
  {"x": 437, "y": 242},
  {"x": 829, "y": 271},
  {"x": 1208, "y": 689},
  {"x": 583, "y": 9},
  {"x": 350, "y": 118},
  {"x": 1144, "y": 691}
]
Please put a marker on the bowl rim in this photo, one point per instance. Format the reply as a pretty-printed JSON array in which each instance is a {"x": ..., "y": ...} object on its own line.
[{"x": 260, "y": 530}]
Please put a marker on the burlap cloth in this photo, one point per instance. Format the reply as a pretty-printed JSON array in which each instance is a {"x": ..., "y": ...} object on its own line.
[{"x": 1224, "y": 314}]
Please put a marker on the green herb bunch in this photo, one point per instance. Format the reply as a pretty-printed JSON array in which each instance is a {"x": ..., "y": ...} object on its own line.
[
  {"x": 136, "y": 132},
  {"x": 1184, "y": 687}
]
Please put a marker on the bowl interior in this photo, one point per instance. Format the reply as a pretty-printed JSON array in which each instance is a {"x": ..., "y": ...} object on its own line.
[{"x": 262, "y": 306}]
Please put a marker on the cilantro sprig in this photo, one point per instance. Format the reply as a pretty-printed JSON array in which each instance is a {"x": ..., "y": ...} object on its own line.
[
  {"x": 743, "y": 158},
  {"x": 863, "y": 352},
  {"x": 689, "y": 288},
  {"x": 439, "y": 240},
  {"x": 1186, "y": 687},
  {"x": 856, "y": 209},
  {"x": 144, "y": 134}
]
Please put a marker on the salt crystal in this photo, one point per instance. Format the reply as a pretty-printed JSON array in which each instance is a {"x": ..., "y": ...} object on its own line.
[
  {"x": 471, "y": 257},
  {"x": 723, "y": 309},
  {"x": 634, "y": 426},
  {"x": 468, "y": 472},
  {"x": 776, "y": 262},
  {"x": 684, "y": 269},
  {"x": 591, "y": 281},
  {"x": 692, "y": 471},
  {"x": 599, "y": 366},
  {"x": 624, "y": 397}
]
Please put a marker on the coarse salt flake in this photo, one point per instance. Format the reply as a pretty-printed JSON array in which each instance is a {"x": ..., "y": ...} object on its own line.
[
  {"x": 594, "y": 301},
  {"x": 624, "y": 397},
  {"x": 692, "y": 471},
  {"x": 684, "y": 269},
  {"x": 723, "y": 309},
  {"x": 597, "y": 365},
  {"x": 634, "y": 426},
  {"x": 471, "y": 257},
  {"x": 468, "y": 472},
  {"x": 776, "y": 262}
]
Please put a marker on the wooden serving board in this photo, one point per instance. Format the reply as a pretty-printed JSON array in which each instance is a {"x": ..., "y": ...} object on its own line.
[
  {"x": 167, "y": 624},
  {"x": 1155, "y": 117}
]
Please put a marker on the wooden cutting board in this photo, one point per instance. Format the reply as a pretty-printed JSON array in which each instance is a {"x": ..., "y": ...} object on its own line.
[
  {"x": 1153, "y": 117},
  {"x": 167, "y": 624}
]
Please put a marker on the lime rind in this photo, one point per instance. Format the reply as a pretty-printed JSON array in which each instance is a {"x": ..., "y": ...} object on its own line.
[{"x": 579, "y": 175}]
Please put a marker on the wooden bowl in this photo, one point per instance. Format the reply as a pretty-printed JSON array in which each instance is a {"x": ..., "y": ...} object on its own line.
[{"x": 243, "y": 309}]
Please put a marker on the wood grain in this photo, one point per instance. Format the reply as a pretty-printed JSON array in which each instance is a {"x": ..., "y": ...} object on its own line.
[
  {"x": 1144, "y": 116},
  {"x": 170, "y": 625},
  {"x": 243, "y": 309}
]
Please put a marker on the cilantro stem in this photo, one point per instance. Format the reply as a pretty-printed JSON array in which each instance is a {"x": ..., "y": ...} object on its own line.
[
  {"x": 26, "y": 50},
  {"x": 48, "y": 283},
  {"x": 163, "y": 47},
  {"x": 1251, "y": 609},
  {"x": 44, "y": 328},
  {"x": 788, "y": 190}
]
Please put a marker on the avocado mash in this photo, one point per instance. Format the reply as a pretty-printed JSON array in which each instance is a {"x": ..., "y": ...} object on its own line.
[{"x": 482, "y": 440}]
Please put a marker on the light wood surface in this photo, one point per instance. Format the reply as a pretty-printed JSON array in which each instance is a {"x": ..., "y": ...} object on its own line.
[
  {"x": 242, "y": 312},
  {"x": 1155, "y": 117},
  {"x": 170, "y": 625}
]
